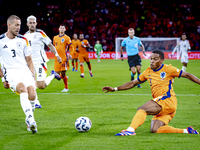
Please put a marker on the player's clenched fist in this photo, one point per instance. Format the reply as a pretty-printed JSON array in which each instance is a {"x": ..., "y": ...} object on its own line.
[{"x": 59, "y": 59}]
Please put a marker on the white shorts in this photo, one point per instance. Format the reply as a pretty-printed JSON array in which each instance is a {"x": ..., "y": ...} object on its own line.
[
  {"x": 40, "y": 71},
  {"x": 184, "y": 58},
  {"x": 16, "y": 76}
]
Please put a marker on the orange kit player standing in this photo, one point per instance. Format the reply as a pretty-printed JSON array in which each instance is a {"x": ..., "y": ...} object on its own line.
[
  {"x": 62, "y": 42},
  {"x": 83, "y": 55},
  {"x": 164, "y": 103},
  {"x": 74, "y": 55}
]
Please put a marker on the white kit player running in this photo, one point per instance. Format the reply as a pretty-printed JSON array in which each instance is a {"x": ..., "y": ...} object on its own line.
[
  {"x": 18, "y": 70},
  {"x": 37, "y": 40},
  {"x": 183, "y": 46}
]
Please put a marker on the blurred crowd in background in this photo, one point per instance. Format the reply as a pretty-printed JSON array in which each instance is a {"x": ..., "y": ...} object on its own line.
[{"x": 105, "y": 20}]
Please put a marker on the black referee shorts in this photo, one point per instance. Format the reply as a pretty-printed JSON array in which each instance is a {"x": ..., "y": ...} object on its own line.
[{"x": 134, "y": 60}]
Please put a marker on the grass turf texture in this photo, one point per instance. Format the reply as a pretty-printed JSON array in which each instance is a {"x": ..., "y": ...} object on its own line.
[{"x": 109, "y": 112}]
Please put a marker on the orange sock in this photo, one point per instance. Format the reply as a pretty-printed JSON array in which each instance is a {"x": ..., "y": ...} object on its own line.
[
  {"x": 65, "y": 80},
  {"x": 138, "y": 119},
  {"x": 81, "y": 68},
  {"x": 76, "y": 65},
  {"x": 169, "y": 129}
]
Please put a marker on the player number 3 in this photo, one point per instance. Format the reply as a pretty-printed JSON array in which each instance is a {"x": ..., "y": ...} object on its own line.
[{"x": 13, "y": 52}]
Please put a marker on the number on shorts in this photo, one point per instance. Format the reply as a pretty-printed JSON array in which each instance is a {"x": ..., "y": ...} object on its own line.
[{"x": 40, "y": 70}]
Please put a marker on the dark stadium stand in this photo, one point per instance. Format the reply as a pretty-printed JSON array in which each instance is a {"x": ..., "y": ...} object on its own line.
[{"x": 108, "y": 19}]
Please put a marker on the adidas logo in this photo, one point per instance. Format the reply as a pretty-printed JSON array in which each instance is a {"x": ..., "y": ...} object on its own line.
[{"x": 5, "y": 46}]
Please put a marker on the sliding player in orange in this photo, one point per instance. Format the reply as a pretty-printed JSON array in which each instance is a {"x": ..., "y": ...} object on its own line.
[
  {"x": 74, "y": 55},
  {"x": 83, "y": 55},
  {"x": 62, "y": 42},
  {"x": 164, "y": 103}
]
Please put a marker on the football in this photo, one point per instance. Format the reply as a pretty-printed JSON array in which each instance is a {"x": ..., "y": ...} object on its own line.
[{"x": 83, "y": 124}]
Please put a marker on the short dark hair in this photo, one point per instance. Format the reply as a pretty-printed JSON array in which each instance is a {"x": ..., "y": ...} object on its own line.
[
  {"x": 62, "y": 24},
  {"x": 161, "y": 54}
]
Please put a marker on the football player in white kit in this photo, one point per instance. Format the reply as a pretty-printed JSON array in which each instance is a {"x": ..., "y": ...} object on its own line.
[
  {"x": 37, "y": 38},
  {"x": 183, "y": 46},
  {"x": 18, "y": 70}
]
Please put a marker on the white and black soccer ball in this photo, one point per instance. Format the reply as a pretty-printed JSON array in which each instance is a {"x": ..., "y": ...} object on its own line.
[{"x": 83, "y": 124}]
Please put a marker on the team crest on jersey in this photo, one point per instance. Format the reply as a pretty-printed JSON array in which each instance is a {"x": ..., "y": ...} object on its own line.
[
  {"x": 163, "y": 75},
  {"x": 62, "y": 40}
]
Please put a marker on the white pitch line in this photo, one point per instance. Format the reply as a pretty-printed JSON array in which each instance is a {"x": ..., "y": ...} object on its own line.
[{"x": 126, "y": 94}]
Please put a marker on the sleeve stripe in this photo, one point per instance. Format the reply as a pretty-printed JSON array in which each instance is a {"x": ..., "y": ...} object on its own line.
[
  {"x": 140, "y": 80},
  {"x": 43, "y": 34},
  {"x": 180, "y": 74},
  {"x": 27, "y": 43}
]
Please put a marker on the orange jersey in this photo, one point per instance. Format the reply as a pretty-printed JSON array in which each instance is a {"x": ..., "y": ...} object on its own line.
[
  {"x": 61, "y": 43},
  {"x": 161, "y": 80},
  {"x": 75, "y": 44},
  {"x": 81, "y": 49}
]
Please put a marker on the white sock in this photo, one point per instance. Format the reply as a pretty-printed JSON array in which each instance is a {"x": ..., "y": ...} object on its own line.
[
  {"x": 131, "y": 129},
  {"x": 26, "y": 106},
  {"x": 36, "y": 100},
  {"x": 185, "y": 131},
  {"x": 90, "y": 71},
  {"x": 49, "y": 79},
  {"x": 82, "y": 73},
  {"x": 183, "y": 68},
  {"x": 33, "y": 105}
]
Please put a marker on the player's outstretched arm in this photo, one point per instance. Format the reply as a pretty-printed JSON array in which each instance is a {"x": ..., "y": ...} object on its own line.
[
  {"x": 125, "y": 86},
  {"x": 175, "y": 49},
  {"x": 53, "y": 49},
  {"x": 190, "y": 77},
  {"x": 143, "y": 49}
]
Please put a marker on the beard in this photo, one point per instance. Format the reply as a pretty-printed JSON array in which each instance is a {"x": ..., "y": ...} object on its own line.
[
  {"x": 15, "y": 33},
  {"x": 32, "y": 29}
]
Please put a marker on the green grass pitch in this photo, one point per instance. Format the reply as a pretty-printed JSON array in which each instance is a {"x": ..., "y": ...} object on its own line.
[{"x": 109, "y": 112}]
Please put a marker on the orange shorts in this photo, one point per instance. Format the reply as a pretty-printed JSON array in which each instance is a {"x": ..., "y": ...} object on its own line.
[
  {"x": 83, "y": 57},
  {"x": 74, "y": 55},
  {"x": 169, "y": 106},
  {"x": 60, "y": 67}
]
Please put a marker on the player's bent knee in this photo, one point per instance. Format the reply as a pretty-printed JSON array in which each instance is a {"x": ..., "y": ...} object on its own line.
[
  {"x": 21, "y": 88},
  {"x": 41, "y": 86},
  {"x": 154, "y": 130},
  {"x": 32, "y": 97},
  {"x": 141, "y": 108}
]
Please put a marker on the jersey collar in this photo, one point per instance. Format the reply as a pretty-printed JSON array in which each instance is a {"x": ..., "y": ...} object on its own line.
[
  {"x": 159, "y": 68},
  {"x": 130, "y": 38},
  {"x": 61, "y": 35}
]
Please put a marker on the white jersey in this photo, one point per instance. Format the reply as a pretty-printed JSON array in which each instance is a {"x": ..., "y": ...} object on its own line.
[
  {"x": 13, "y": 52},
  {"x": 182, "y": 47},
  {"x": 37, "y": 40}
]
